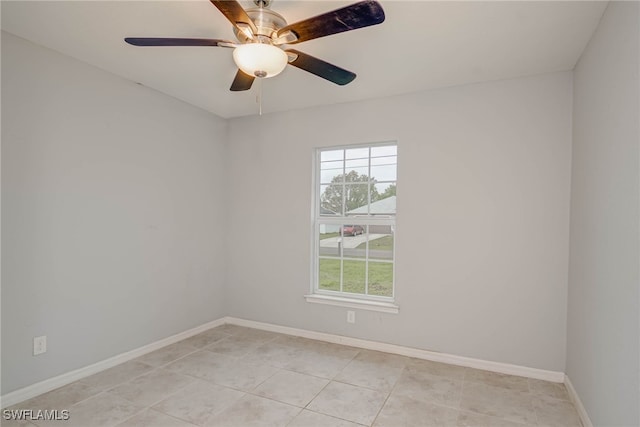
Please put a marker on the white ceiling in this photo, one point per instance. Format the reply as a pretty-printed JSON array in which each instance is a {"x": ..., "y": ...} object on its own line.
[{"x": 421, "y": 45}]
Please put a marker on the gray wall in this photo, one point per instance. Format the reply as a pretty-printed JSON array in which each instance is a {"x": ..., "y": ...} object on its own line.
[
  {"x": 112, "y": 212},
  {"x": 603, "y": 359},
  {"x": 483, "y": 218}
]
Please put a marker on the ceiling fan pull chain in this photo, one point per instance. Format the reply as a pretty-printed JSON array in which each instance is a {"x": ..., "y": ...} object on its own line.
[{"x": 259, "y": 96}]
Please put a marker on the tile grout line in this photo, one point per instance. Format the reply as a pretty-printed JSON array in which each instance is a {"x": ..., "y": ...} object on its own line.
[
  {"x": 404, "y": 368},
  {"x": 168, "y": 415}
]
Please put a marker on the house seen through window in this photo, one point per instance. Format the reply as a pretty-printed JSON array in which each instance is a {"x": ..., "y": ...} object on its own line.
[{"x": 355, "y": 215}]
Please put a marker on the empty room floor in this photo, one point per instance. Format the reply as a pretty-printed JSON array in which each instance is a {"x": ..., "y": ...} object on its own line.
[{"x": 237, "y": 376}]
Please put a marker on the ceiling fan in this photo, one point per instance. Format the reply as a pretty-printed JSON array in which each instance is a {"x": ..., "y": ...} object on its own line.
[{"x": 262, "y": 35}]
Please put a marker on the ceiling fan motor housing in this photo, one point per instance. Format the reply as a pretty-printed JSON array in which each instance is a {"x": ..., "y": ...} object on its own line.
[{"x": 266, "y": 21}]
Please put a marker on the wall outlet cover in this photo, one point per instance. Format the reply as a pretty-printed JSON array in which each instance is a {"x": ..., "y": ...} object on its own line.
[
  {"x": 39, "y": 345},
  {"x": 351, "y": 316}
]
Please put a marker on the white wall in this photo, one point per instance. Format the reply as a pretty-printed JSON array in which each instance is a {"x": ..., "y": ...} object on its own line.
[
  {"x": 603, "y": 357},
  {"x": 483, "y": 211},
  {"x": 112, "y": 214}
]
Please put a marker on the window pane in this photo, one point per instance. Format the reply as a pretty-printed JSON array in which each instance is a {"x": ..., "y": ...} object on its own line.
[
  {"x": 331, "y": 155},
  {"x": 389, "y": 160},
  {"x": 381, "y": 279},
  {"x": 357, "y": 170},
  {"x": 329, "y": 274},
  {"x": 386, "y": 189},
  {"x": 357, "y": 174},
  {"x": 357, "y": 163},
  {"x": 330, "y": 171},
  {"x": 353, "y": 276},
  {"x": 331, "y": 200},
  {"x": 329, "y": 240},
  {"x": 384, "y": 173},
  {"x": 331, "y": 176},
  {"x": 374, "y": 198},
  {"x": 381, "y": 241},
  {"x": 357, "y": 199},
  {"x": 385, "y": 203},
  {"x": 332, "y": 165},
  {"x": 386, "y": 150},
  {"x": 357, "y": 153},
  {"x": 353, "y": 230},
  {"x": 354, "y": 241}
]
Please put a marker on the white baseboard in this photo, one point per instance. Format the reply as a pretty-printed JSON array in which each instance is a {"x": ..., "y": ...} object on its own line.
[
  {"x": 573, "y": 394},
  {"x": 36, "y": 389},
  {"x": 503, "y": 368},
  {"x": 41, "y": 387}
]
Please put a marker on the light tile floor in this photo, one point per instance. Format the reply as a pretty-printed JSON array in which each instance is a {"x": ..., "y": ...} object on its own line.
[{"x": 236, "y": 376}]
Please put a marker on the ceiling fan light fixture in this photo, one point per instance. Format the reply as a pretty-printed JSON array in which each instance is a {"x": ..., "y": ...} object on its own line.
[{"x": 260, "y": 59}]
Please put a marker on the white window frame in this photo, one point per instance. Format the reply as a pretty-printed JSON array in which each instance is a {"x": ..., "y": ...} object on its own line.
[{"x": 345, "y": 299}]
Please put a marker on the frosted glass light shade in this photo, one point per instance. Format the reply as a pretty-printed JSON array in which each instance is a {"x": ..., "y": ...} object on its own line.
[{"x": 260, "y": 60}]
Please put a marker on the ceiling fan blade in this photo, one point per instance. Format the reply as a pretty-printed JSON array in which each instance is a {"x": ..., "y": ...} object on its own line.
[
  {"x": 320, "y": 68},
  {"x": 161, "y": 41},
  {"x": 234, "y": 12},
  {"x": 352, "y": 17},
  {"x": 241, "y": 82}
]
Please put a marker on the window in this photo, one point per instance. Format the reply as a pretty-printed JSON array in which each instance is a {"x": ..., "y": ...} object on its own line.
[{"x": 354, "y": 222}]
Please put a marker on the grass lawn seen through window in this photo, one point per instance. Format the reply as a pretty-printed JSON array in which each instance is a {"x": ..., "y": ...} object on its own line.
[{"x": 380, "y": 276}]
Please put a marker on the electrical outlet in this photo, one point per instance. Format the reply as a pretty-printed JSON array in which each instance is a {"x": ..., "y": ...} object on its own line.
[
  {"x": 351, "y": 316},
  {"x": 39, "y": 345}
]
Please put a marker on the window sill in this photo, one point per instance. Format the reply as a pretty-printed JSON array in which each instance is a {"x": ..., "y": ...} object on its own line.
[{"x": 384, "y": 307}]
